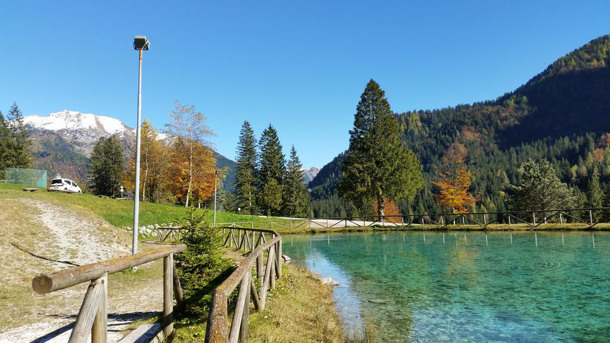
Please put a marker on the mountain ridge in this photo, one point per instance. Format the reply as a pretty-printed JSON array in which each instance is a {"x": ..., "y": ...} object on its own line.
[{"x": 559, "y": 114}]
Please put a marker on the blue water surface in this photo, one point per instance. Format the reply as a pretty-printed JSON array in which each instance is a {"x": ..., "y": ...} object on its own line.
[{"x": 466, "y": 287}]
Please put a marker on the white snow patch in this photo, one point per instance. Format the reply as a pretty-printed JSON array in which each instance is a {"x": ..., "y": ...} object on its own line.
[{"x": 73, "y": 121}]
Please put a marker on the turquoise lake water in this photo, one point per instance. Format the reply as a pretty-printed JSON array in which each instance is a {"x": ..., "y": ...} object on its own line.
[{"x": 472, "y": 287}]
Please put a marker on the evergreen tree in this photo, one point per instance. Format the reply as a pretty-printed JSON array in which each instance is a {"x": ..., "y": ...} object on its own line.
[
  {"x": 606, "y": 203},
  {"x": 14, "y": 140},
  {"x": 245, "y": 178},
  {"x": 4, "y": 145},
  {"x": 296, "y": 197},
  {"x": 595, "y": 195},
  {"x": 377, "y": 165},
  {"x": 271, "y": 171},
  {"x": 106, "y": 167},
  {"x": 541, "y": 189}
]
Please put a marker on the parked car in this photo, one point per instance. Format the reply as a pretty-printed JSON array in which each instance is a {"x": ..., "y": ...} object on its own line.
[{"x": 64, "y": 185}]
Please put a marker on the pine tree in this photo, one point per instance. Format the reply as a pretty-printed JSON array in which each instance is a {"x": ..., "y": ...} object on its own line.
[
  {"x": 15, "y": 140},
  {"x": 271, "y": 171},
  {"x": 377, "y": 165},
  {"x": 606, "y": 203},
  {"x": 541, "y": 189},
  {"x": 296, "y": 197},
  {"x": 595, "y": 195},
  {"x": 106, "y": 167},
  {"x": 4, "y": 145},
  {"x": 245, "y": 178}
]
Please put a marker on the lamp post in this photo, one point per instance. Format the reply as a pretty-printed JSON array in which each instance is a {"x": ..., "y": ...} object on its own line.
[
  {"x": 215, "y": 183},
  {"x": 140, "y": 43}
]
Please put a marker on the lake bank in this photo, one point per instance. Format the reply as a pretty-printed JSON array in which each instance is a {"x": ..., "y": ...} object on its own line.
[{"x": 445, "y": 228}]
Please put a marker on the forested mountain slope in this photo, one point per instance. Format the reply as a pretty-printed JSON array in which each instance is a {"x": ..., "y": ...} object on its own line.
[{"x": 561, "y": 114}]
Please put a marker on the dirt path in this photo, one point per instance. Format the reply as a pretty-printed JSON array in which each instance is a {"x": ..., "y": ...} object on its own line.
[{"x": 67, "y": 234}]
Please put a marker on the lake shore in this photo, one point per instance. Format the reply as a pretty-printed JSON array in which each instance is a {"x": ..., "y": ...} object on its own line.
[{"x": 445, "y": 228}]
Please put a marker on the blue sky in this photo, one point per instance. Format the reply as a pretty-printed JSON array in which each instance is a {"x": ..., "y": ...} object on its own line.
[{"x": 298, "y": 65}]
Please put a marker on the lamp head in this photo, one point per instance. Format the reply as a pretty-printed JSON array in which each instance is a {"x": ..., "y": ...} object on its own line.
[{"x": 141, "y": 43}]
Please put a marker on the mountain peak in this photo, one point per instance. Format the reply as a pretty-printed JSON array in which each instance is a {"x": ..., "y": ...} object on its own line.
[
  {"x": 74, "y": 121},
  {"x": 595, "y": 54}
]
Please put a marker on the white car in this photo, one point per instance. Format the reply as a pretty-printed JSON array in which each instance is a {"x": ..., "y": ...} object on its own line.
[{"x": 64, "y": 185}]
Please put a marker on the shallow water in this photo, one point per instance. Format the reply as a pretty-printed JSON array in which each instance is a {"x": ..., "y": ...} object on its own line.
[{"x": 466, "y": 287}]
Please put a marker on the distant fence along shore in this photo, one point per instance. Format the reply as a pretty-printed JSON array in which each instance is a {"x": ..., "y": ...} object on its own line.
[{"x": 572, "y": 218}]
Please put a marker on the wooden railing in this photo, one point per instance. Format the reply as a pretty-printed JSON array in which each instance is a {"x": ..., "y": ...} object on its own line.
[
  {"x": 255, "y": 241},
  {"x": 93, "y": 317}
]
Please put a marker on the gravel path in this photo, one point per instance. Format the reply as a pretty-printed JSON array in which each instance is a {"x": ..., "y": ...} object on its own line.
[{"x": 80, "y": 237}]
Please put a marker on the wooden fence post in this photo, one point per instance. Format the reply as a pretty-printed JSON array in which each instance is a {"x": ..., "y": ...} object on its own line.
[
  {"x": 88, "y": 311},
  {"x": 534, "y": 217},
  {"x": 99, "y": 331},
  {"x": 168, "y": 310},
  {"x": 244, "y": 289}
]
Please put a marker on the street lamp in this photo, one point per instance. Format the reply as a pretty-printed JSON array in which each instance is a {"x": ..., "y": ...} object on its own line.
[
  {"x": 140, "y": 43},
  {"x": 215, "y": 182}
]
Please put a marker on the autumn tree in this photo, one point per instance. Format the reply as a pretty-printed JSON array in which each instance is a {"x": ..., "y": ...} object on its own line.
[
  {"x": 295, "y": 197},
  {"x": 392, "y": 212},
  {"x": 245, "y": 178},
  {"x": 190, "y": 133},
  {"x": 153, "y": 162},
  {"x": 190, "y": 174},
  {"x": 377, "y": 165},
  {"x": 454, "y": 184}
]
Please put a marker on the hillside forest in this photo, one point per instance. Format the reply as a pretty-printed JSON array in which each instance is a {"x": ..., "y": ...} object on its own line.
[{"x": 559, "y": 116}]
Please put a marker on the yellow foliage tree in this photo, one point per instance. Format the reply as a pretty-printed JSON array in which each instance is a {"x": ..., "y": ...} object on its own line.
[{"x": 454, "y": 184}]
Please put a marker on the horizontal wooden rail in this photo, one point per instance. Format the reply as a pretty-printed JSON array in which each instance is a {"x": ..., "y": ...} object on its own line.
[{"x": 46, "y": 283}]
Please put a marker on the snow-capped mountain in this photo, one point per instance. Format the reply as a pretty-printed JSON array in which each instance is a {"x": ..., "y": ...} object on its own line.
[
  {"x": 63, "y": 142},
  {"x": 81, "y": 130}
]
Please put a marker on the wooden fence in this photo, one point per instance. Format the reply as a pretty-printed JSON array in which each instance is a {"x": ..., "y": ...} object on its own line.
[
  {"x": 533, "y": 219},
  {"x": 93, "y": 317},
  {"x": 266, "y": 270}
]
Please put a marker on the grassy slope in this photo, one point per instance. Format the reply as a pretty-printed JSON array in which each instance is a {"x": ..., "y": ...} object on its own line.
[
  {"x": 120, "y": 212},
  {"x": 22, "y": 305}
]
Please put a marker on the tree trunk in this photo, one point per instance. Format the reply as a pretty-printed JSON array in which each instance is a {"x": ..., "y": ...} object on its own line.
[
  {"x": 188, "y": 192},
  {"x": 380, "y": 207},
  {"x": 145, "y": 178}
]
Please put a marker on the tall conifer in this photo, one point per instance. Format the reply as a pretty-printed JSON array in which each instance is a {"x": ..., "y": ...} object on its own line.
[
  {"x": 16, "y": 140},
  {"x": 296, "y": 197},
  {"x": 106, "y": 167},
  {"x": 377, "y": 165},
  {"x": 245, "y": 178},
  {"x": 272, "y": 167}
]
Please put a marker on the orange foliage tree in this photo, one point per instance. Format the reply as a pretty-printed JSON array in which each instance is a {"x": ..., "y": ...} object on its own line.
[
  {"x": 391, "y": 212},
  {"x": 454, "y": 184},
  {"x": 191, "y": 176},
  {"x": 190, "y": 133}
]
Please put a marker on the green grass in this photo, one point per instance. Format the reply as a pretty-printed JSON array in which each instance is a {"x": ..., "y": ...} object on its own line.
[{"x": 120, "y": 212}]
